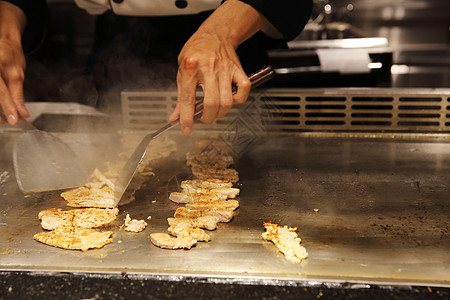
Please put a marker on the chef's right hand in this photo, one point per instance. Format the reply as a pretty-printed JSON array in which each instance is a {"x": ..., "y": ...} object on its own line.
[
  {"x": 12, "y": 63},
  {"x": 209, "y": 60}
]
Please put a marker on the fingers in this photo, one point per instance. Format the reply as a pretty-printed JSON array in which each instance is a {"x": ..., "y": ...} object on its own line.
[
  {"x": 175, "y": 114},
  {"x": 211, "y": 100},
  {"x": 211, "y": 63},
  {"x": 243, "y": 87},
  {"x": 15, "y": 87},
  {"x": 12, "y": 102},
  {"x": 225, "y": 96},
  {"x": 187, "y": 84},
  {"x": 217, "y": 91},
  {"x": 7, "y": 105},
  {"x": 12, "y": 69}
]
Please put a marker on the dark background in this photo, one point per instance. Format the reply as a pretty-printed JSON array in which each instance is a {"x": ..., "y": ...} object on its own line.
[{"x": 418, "y": 32}]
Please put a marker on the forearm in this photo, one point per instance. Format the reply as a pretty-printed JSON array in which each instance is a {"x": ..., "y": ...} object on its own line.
[
  {"x": 12, "y": 22},
  {"x": 234, "y": 22}
]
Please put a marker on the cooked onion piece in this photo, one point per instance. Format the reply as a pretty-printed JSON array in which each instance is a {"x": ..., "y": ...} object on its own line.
[
  {"x": 134, "y": 225},
  {"x": 287, "y": 241}
]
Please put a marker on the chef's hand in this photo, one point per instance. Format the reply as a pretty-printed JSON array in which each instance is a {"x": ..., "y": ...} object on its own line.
[
  {"x": 211, "y": 63},
  {"x": 12, "y": 63},
  {"x": 209, "y": 60}
]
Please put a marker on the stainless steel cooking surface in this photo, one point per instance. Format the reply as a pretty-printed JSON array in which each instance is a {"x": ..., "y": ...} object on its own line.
[
  {"x": 383, "y": 217},
  {"x": 381, "y": 199}
]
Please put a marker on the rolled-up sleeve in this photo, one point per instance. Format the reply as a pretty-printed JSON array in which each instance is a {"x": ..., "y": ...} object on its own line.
[
  {"x": 35, "y": 11},
  {"x": 289, "y": 17}
]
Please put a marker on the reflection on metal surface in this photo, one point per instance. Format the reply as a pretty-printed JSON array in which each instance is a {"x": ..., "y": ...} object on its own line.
[{"x": 375, "y": 42}]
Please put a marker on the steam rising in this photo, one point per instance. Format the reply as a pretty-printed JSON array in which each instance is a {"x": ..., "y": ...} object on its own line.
[{"x": 96, "y": 81}]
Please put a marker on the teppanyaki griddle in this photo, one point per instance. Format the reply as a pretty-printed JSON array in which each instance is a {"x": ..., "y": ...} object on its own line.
[{"x": 369, "y": 209}]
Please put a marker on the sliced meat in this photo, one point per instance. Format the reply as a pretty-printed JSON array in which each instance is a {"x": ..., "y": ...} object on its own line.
[
  {"x": 83, "y": 217},
  {"x": 191, "y": 189},
  {"x": 230, "y": 192},
  {"x": 90, "y": 197},
  {"x": 206, "y": 222},
  {"x": 207, "y": 172},
  {"x": 74, "y": 238},
  {"x": 209, "y": 183},
  {"x": 182, "y": 230},
  {"x": 222, "y": 214},
  {"x": 211, "y": 158},
  {"x": 163, "y": 240},
  {"x": 230, "y": 204},
  {"x": 189, "y": 198}
]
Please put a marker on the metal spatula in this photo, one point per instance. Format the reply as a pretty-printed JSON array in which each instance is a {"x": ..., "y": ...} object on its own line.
[
  {"x": 127, "y": 173},
  {"x": 43, "y": 162}
]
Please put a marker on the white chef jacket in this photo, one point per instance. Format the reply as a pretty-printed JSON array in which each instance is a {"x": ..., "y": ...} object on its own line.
[
  {"x": 152, "y": 8},
  {"x": 148, "y": 8}
]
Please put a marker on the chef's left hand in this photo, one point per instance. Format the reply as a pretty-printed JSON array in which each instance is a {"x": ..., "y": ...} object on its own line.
[
  {"x": 12, "y": 63},
  {"x": 209, "y": 60}
]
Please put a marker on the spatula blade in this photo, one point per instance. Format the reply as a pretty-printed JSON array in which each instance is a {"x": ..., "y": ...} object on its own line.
[
  {"x": 128, "y": 171},
  {"x": 43, "y": 162}
]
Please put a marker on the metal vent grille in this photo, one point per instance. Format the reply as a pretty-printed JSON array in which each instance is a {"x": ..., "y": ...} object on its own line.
[{"x": 334, "y": 109}]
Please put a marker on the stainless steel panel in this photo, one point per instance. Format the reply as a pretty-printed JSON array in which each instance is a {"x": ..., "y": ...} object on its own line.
[{"x": 321, "y": 109}]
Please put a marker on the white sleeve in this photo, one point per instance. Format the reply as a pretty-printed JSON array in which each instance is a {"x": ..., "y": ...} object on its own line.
[
  {"x": 146, "y": 7},
  {"x": 94, "y": 7}
]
